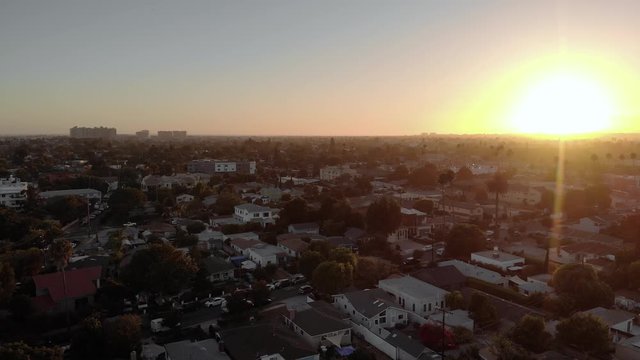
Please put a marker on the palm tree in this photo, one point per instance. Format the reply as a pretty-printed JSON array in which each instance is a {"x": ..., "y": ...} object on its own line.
[
  {"x": 499, "y": 184},
  {"x": 445, "y": 179},
  {"x": 59, "y": 252}
]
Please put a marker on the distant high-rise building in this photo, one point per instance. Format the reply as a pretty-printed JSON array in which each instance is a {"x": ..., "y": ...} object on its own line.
[
  {"x": 210, "y": 166},
  {"x": 142, "y": 134},
  {"x": 92, "y": 133}
]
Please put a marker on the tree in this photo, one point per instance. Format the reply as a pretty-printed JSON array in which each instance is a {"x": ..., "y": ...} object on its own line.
[
  {"x": 59, "y": 252},
  {"x": 344, "y": 256},
  {"x": 463, "y": 239},
  {"x": 22, "y": 351},
  {"x": 498, "y": 185},
  {"x": 586, "y": 333},
  {"x": 88, "y": 343},
  {"x": 579, "y": 288},
  {"x": 454, "y": 300},
  {"x": 445, "y": 179},
  {"x": 196, "y": 227},
  {"x": 424, "y": 177},
  {"x": 370, "y": 270},
  {"x": 361, "y": 354},
  {"x": 464, "y": 174},
  {"x": 504, "y": 349},
  {"x": 20, "y": 307},
  {"x": 122, "y": 201},
  {"x": 482, "y": 311},
  {"x": 160, "y": 269},
  {"x": 123, "y": 335},
  {"x": 68, "y": 208},
  {"x": 530, "y": 333},
  {"x": 383, "y": 216},
  {"x": 7, "y": 282},
  {"x": 331, "y": 276},
  {"x": 634, "y": 275},
  {"x": 432, "y": 336},
  {"x": 309, "y": 261},
  {"x": 424, "y": 205},
  {"x": 226, "y": 202}
]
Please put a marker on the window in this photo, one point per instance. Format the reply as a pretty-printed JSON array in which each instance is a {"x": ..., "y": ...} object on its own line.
[
  {"x": 414, "y": 307},
  {"x": 383, "y": 320},
  {"x": 384, "y": 313},
  {"x": 400, "y": 317},
  {"x": 429, "y": 306},
  {"x": 345, "y": 306},
  {"x": 376, "y": 322},
  {"x": 424, "y": 307},
  {"x": 352, "y": 311}
]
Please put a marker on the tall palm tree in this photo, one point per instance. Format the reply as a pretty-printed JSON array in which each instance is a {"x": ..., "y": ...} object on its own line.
[
  {"x": 498, "y": 184},
  {"x": 444, "y": 179},
  {"x": 60, "y": 251}
]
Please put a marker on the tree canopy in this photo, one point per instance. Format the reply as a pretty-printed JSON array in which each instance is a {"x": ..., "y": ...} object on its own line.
[
  {"x": 579, "y": 288},
  {"x": 383, "y": 216},
  {"x": 160, "y": 268},
  {"x": 585, "y": 332},
  {"x": 463, "y": 239}
]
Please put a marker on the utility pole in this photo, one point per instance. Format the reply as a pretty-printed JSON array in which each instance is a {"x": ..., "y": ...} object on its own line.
[{"x": 444, "y": 312}]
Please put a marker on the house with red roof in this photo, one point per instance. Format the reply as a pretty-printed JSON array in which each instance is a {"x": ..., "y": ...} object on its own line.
[{"x": 81, "y": 287}]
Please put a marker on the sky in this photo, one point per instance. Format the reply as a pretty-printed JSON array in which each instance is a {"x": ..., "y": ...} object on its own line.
[{"x": 331, "y": 67}]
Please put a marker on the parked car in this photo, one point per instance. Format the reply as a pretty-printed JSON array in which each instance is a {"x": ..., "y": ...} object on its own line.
[
  {"x": 216, "y": 301},
  {"x": 282, "y": 283},
  {"x": 298, "y": 278},
  {"x": 305, "y": 289},
  {"x": 271, "y": 287}
]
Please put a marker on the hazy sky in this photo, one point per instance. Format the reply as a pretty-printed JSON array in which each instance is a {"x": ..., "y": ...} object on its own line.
[{"x": 343, "y": 67}]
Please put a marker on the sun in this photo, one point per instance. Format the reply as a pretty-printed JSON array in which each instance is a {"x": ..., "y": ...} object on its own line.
[{"x": 563, "y": 103}]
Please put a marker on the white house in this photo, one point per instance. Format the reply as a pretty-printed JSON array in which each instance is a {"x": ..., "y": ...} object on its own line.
[
  {"x": 371, "y": 308},
  {"x": 265, "y": 254},
  {"x": 253, "y": 213},
  {"x": 12, "y": 192},
  {"x": 414, "y": 295},
  {"x": 476, "y": 272},
  {"x": 621, "y": 323},
  {"x": 294, "y": 246},
  {"x": 329, "y": 173},
  {"x": 519, "y": 194},
  {"x": 184, "y": 198},
  {"x": 463, "y": 209},
  {"x": 496, "y": 258},
  {"x": 242, "y": 245}
]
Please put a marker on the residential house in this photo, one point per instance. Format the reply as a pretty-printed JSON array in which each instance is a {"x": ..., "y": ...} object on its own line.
[
  {"x": 498, "y": 259},
  {"x": 411, "y": 222},
  {"x": 628, "y": 300},
  {"x": 395, "y": 344},
  {"x": 463, "y": 209},
  {"x": 592, "y": 224},
  {"x": 264, "y": 341},
  {"x": 414, "y": 295},
  {"x": 212, "y": 166},
  {"x": 247, "y": 213},
  {"x": 621, "y": 323},
  {"x": 13, "y": 192},
  {"x": 329, "y": 173},
  {"x": 628, "y": 349},
  {"x": 155, "y": 182},
  {"x": 580, "y": 252},
  {"x": 341, "y": 241},
  {"x": 476, "y": 272},
  {"x": 93, "y": 195},
  {"x": 528, "y": 287},
  {"x": 519, "y": 194},
  {"x": 445, "y": 277},
  {"x": 81, "y": 287},
  {"x": 184, "y": 198},
  {"x": 318, "y": 327},
  {"x": 242, "y": 245},
  {"x": 218, "y": 269},
  {"x": 207, "y": 349},
  {"x": 265, "y": 254},
  {"x": 304, "y": 228},
  {"x": 374, "y": 307},
  {"x": 294, "y": 246},
  {"x": 209, "y": 239},
  {"x": 244, "y": 235}
]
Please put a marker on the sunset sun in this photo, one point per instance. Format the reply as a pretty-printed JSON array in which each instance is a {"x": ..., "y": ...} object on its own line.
[{"x": 563, "y": 103}]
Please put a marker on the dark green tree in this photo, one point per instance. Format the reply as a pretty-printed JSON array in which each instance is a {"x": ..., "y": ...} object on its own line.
[
  {"x": 383, "y": 216},
  {"x": 463, "y": 239},
  {"x": 586, "y": 333}
]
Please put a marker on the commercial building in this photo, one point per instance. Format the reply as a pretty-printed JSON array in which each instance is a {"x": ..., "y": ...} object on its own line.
[
  {"x": 172, "y": 135},
  {"x": 212, "y": 166},
  {"x": 92, "y": 133}
]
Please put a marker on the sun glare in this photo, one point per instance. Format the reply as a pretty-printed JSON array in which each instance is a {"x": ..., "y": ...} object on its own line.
[{"x": 563, "y": 104}]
